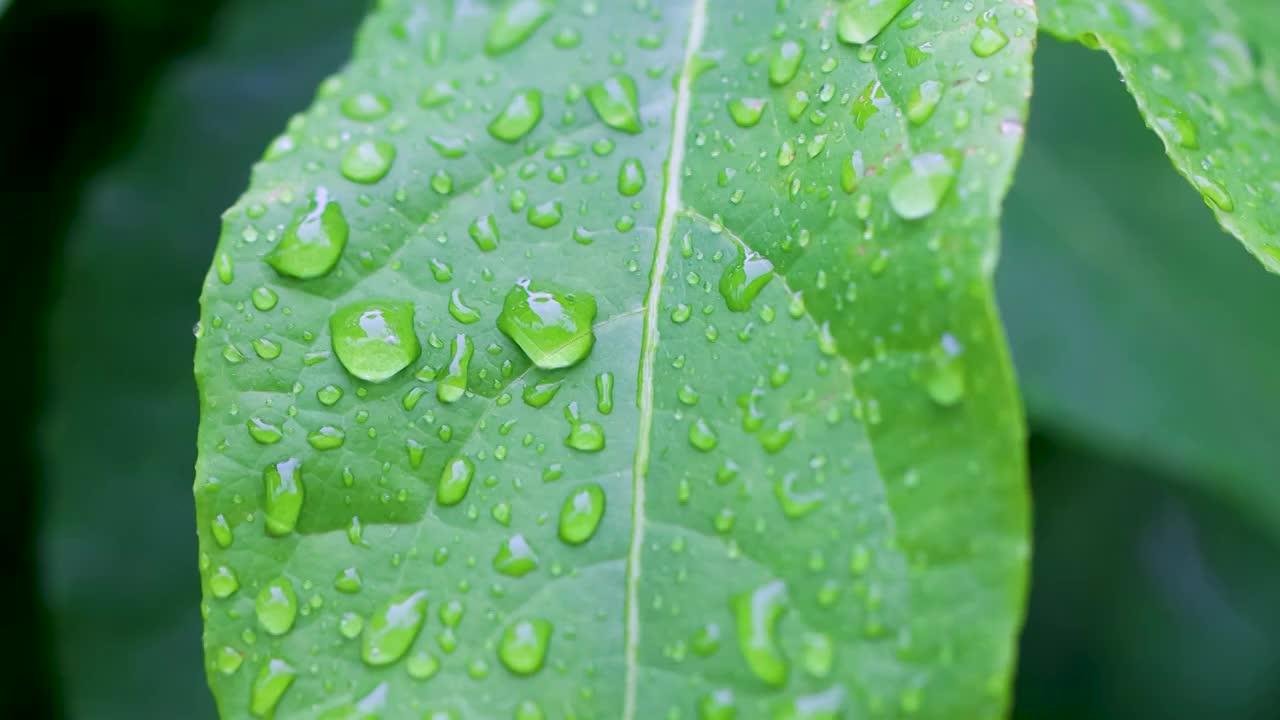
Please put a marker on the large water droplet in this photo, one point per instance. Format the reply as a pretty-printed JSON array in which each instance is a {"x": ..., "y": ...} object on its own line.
[
  {"x": 861, "y": 20},
  {"x": 519, "y": 117},
  {"x": 515, "y": 23},
  {"x": 580, "y": 516},
  {"x": 375, "y": 339},
  {"x": 523, "y": 648},
  {"x": 392, "y": 629},
  {"x": 283, "y": 482},
  {"x": 550, "y": 323},
  {"x": 273, "y": 679},
  {"x": 989, "y": 40},
  {"x": 368, "y": 161},
  {"x": 312, "y": 244},
  {"x": 277, "y": 606},
  {"x": 920, "y": 185},
  {"x": 757, "y": 615},
  {"x": 746, "y": 112},
  {"x": 615, "y": 101},
  {"x": 743, "y": 281}
]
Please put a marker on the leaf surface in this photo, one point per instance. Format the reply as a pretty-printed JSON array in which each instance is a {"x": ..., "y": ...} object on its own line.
[
  {"x": 785, "y": 480},
  {"x": 1206, "y": 77}
]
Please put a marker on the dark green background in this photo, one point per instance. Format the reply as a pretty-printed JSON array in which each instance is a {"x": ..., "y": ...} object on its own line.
[{"x": 1145, "y": 340}]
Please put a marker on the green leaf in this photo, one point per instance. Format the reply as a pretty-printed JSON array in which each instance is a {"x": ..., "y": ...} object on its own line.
[
  {"x": 116, "y": 519},
  {"x": 1206, "y": 76},
  {"x": 1134, "y": 329},
  {"x": 772, "y": 460}
]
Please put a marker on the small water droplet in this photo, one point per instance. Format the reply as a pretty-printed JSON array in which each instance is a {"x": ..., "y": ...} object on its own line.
[
  {"x": 746, "y": 112},
  {"x": 515, "y": 23},
  {"x": 519, "y": 117},
  {"x": 274, "y": 678},
  {"x": 630, "y": 177},
  {"x": 455, "y": 480},
  {"x": 757, "y": 614},
  {"x": 861, "y": 20},
  {"x": 523, "y": 648},
  {"x": 615, "y": 101},
  {"x": 581, "y": 513},
  {"x": 368, "y": 161},
  {"x": 785, "y": 62},
  {"x": 284, "y": 496},
  {"x": 313, "y": 242},
  {"x": 277, "y": 606},
  {"x": 515, "y": 558},
  {"x": 392, "y": 629},
  {"x": 452, "y": 385},
  {"x": 743, "y": 281}
]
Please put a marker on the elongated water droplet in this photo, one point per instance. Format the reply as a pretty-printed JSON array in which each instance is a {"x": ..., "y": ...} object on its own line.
[
  {"x": 785, "y": 62},
  {"x": 523, "y": 648},
  {"x": 455, "y": 480},
  {"x": 550, "y": 323},
  {"x": 277, "y": 606},
  {"x": 283, "y": 482},
  {"x": 368, "y": 161},
  {"x": 630, "y": 177},
  {"x": 313, "y": 242},
  {"x": 580, "y": 516},
  {"x": 515, "y": 23},
  {"x": 757, "y": 615},
  {"x": 861, "y": 20},
  {"x": 452, "y": 385},
  {"x": 743, "y": 281},
  {"x": 615, "y": 101},
  {"x": 375, "y": 339},
  {"x": 1214, "y": 194},
  {"x": 273, "y": 679},
  {"x": 702, "y": 436},
  {"x": 221, "y": 530},
  {"x": 746, "y": 112},
  {"x": 327, "y": 437},
  {"x": 920, "y": 185},
  {"x": 392, "y": 629},
  {"x": 604, "y": 393},
  {"x": 515, "y": 557},
  {"x": 519, "y": 117}
]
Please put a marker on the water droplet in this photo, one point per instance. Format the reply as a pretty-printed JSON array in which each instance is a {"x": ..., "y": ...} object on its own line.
[
  {"x": 366, "y": 106},
  {"x": 368, "y": 161},
  {"x": 327, "y": 437},
  {"x": 221, "y": 530},
  {"x": 266, "y": 348},
  {"x": 539, "y": 394},
  {"x": 718, "y": 705},
  {"x": 529, "y": 710},
  {"x": 550, "y": 323},
  {"x": 451, "y": 386},
  {"x": 523, "y": 648},
  {"x": 630, "y": 177},
  {"x": 460, "y": 310},
  {"x": 348, "y": 581},
  {"x": 350, "y": 625},
  {"x": 920, "y": 185},
  {"x": 228, "y": 660},
  {"x": 923, "y": 101},
  {"x": 785, "y": 62},
  {"x": 263, "y": 432},
  {"x": 455, "y": 479},
  {"x": 743, "y": 281},
  {"x": 757, "y": 614},
  {"x": 273, "y": 679},
  {"x": 515, "y": 558},
  {"x": 615, "y": 101},
  {"x": 422, "y": 665},
  {"x": 545, "y": 215},
  {"x": 604, "y": 393},
  {"x": 1214, "y": 194},
  {"x": 277, "y": 606},
  {"x": 369, "y": 707},
  {"x": 746, "y": 112},
  {"x": 519, "y": 117},
  {"x": 825, "y": 705},
  {"x": 515, "y": 23},
  {"x": 374, "y": 339},
  {"x": 223, "y": 582},
  {"x": 313, "y": 242},
  {"x": 584, "y": 435},
  {"x": 581, "y": 513},
  {"x": 283, "y": 482},
  {"x": 392, "y": 629},
  {"x": 989, "y": 40},
  {"x": 795, "y": 504},
  {"x": 484, "y": 232},
  {"x": 702, "y": 437},
  {"x": 329, "y": 395},
  {"x": 861, "y": 20},
  {"x": 265, "y": 298}
]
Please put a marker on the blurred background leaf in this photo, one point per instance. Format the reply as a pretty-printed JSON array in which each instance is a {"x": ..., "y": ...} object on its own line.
[
  {"x": 1141, "y": 339},
  {"x": 118, "y": 548}
]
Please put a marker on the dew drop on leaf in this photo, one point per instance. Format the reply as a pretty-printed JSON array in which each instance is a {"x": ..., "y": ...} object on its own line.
[
  {"x": 523, "y": 648},
  {"x": 616, "y": 103},
  {"x": 550, "y": 323},
  {"x": 391, "y": 630},
  {"x": 313, "y": 242},
  {"x": 581, "y": 513},
  {"x": 374, "y": 339}
]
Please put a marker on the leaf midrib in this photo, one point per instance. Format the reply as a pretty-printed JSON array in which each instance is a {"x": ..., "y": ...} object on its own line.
[{"x": 671, "y": 177}]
